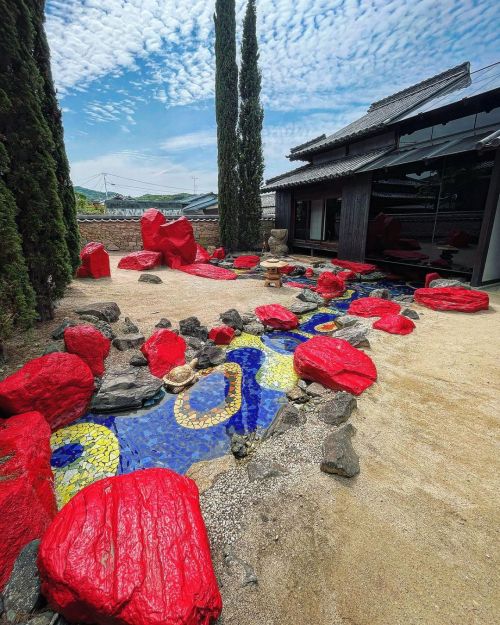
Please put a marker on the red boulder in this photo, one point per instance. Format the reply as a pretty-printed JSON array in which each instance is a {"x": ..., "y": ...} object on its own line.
[
  {"x": 330, "y": 285},
  {"x": 58, "y": 385},
  {"x": 95, "y": 262},
  {"x": 150, "y": 225},
  {"x": 164, "y": 350},
  {"x": 453, "y": 298},
  {"x": 91, "y": 345},
  {"x": 202, "y": 256},
  {"x": 334, "y": 363},
  {"x": 430, "y": 277},
  {"x": 309, "y": 272},
  {"x": 221, "y": 335},
  {"x": 395, "y": 324},
  {"x": 27, "y": 498},
  {"x": 139, "y": 261},
  {"x": 246, "y": 262},
  {"x": 219, "y": 254},
  {"x": 355, "y": 267},
  {"x": 177, "y": 243},
  {"x": 277, "y": 316},
  {"x": 373, "y": 307},
  {"x": 131, "y": 550},
  {"x": 206, "y": 270}
]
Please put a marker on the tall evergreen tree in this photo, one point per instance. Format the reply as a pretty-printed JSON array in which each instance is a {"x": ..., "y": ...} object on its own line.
[
  {"x": 226, "y": 110},
  {"x": 31, "y": 176},
  {"x": 17, "y": 299},
  {"x": 53, "y": 116},
  {"x": 251, "y": 161}
]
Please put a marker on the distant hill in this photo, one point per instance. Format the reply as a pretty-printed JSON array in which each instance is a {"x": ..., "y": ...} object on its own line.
[
  {"x": 90, "y": 194},
  {"x": 164, "y": 198}
]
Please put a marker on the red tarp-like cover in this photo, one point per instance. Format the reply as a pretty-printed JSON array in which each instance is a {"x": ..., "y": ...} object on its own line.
[
  {"x": 150, "y": 225},
  {"x": 202, "y": 256},
  {"x": 453, "y": 298},
  {"x": 334, "y": 363},
  {"x": 277, "y": 316},
  {"x": 395, "y": 324},
  {"x": 177, "y": 243},
  {"x": 164, "y": 350},
  {"x": 139, "y": 261},
  {"x": 95, "y": 262},
  {"x": 246, "y": 262},
  {"x": 209, "y": 271},
  {"x": 373, "y": 307},
  {"x": 356, "y": 267},
  {"x": 330, "y": 285}
]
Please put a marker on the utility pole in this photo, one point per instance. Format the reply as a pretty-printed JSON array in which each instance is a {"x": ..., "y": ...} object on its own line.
[
  {"x": 194, "y": 184},
  {"x": 105, "y": 185}
]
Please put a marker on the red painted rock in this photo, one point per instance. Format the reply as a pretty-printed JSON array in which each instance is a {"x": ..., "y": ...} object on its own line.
[
  {"x": 246, "y": 262},
  {"x": 211, "y": 272},
  {"x": 164, "y": 350},
  {"x": 309, "y": 272},
  {"x": 287, "y": 269},
  {"x": 131, "y": 550},
  {"x": 91, "y": 345},
  {"x": 453, "y": 298},
  {"x": 27, "y": 498},
  {"x": 330, "y": 285},
  {"x": 95, "y": 262},
  {"x": 58, "y": 385},
  {"x": 352, "y": 266},
  {"x": 395, "y": 324},
  {"x": 373, "y": 307},
  {"x": 150, "y": 225},
  {"x": 334, "y": 363},
  {"x": 177, "y": 243},
  {"x": 219, "y": 254},
  {"x": 277, "y": 316},
  {"x": 221, "y": 335},
  {"x": 346, "y": 275},
  {"x": 202, "y": 256},
  {"x": 139, "y": 261},
  {"x": 430, "y": 277}
]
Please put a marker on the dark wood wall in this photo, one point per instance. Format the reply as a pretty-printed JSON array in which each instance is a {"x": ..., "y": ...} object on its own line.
[
  {"x": 356, "y": 193},
  {"x": 283, "y": 209}
]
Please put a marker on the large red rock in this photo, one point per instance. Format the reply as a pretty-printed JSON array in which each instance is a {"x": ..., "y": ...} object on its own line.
[
  {"x": 277, "y": 316},
  {"x": 164, "y": 350},
  {"x": 27, "y": 500},
  {"x": 91, "y": 345},
  {"x": 246, "y": 262},
  {"x": 355, "y": 267},
  {"x": 202, "y": 256},
  {"x": 177, "y": 243},
  {"x": 131, "y": 550},
  {"x": 395, "y": 324},
  {"x": 150, "y": 225},
  {"x": 373, "y": 307},
  {"x": 334, "y": 363},
  {"x": 139, "y": 261},
  {"x": 453, "y": 298},
  {"x": 330, "y": 285},
  {"x": 95, "y": 262},
  {"x": 221, "y": 335},
  {"x": 206, "y": 270},
  {"x": 57, "y": 385}
]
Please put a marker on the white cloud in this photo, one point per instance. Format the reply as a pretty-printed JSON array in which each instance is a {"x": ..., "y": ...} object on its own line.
[{"x": 190, "y": 141}]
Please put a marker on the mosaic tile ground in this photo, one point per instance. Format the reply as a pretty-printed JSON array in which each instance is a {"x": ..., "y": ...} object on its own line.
[{"x": 241, "y": 395}]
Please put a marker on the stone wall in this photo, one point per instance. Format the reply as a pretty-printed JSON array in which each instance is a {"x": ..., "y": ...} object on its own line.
[{"x": 124, "y": 234}]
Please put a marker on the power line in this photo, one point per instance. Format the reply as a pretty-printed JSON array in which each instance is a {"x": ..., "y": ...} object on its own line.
[{"x": 151, "y": 184}]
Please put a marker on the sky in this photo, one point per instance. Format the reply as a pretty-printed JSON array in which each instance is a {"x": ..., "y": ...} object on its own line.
[{"x": 135, "y": 78}]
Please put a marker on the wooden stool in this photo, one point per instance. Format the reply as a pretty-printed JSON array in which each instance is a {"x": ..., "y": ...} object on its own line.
[{"x": 273, "y": 273}]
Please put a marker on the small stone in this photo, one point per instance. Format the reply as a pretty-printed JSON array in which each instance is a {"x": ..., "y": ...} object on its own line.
[
  {"x": 449, "y": 283},
  {"x": 297, "y": 396},
  {"x": 302, "y": 384},
  {"x": 404, "y": 299},
  {"x": 306, "y": 295},
  {"x": 128, "y": 341},
  {"x": 232, "y": 319},
  {"x": 164, "y": 323},
  {"x": 346, "y": 321},
  {"x": 287, "y": 417},
  {"x": 44, "y": 618},
  {"x": 381, "y": 293},
  {"x": 194, "y": 342},
  {"x": 339, "y": 409},
  {"x": 138, "y": 360},
  {"x": 297, "y": 272},
  {"x": 356, "y": 335},
  {"x": 105, "y": 311},
  {"x": 22, "y": 592},
  {"x": 210, "y": 356},
  {"x": 255, "y": 328},
  {"x": 411, "y": 314},
  {"x": 150, "y": 277},
  {"x": 264, "y": 469},
  {"x": 373, "y": 276},
  {"x": 104, "y": 328},
  {"x": 51, "y": 348},
  {"x": 192, "y": 327},
  {"x": 239, "y": 446},
  {"x": 247, "y": 318},
  {"x": 316, "y": 390},
  {"x": 339, "y": 456},
  {"x": 129, "y": 327},
  {"x": 58, "y": 333},
  {"x": 125, "y": 388},
  {"x": 90, "y": 318},
  {"x": 301, "y": 308}
]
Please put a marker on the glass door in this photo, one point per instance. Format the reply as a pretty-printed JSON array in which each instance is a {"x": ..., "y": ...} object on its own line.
[{"x": 317, "y": 221}]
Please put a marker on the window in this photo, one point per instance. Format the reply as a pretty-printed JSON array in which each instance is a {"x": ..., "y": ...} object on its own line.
[{"x": 317, "y": 220}]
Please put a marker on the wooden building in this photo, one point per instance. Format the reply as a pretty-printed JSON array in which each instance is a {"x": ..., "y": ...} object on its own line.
[{"x": 413, "y": 182}]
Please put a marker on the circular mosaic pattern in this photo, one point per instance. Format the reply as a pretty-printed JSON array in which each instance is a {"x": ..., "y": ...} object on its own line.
[
  {"x": 82, "y": 454},
  {"x": 215, "y": 399}
]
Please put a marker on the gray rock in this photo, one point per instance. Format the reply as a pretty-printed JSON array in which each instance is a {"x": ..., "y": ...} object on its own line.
[
  {"x": 255, "y": 328},
  {"x": 164, "y": 323},
  {"x": 374, "y": 275},
  {"x": 22, "y": 592},
  {"x": 287, "y": 417},
  {"x": 306, "y": 295},
  {"x": 150, "y": 277},
  {"x": 382, "y": 293},
  {"x": 316, "y": 390},
  {"x": 105, "y": 328},
  {"x": 210, "y": 356},
  {"x": 194, "y": 342},
  {"x": 240, "y": 446},
  {"x": 192, "y": 327},
  {"x": 249, "y": 577},
  {"x": 125, "y": 388},
  {"x": 128, "y": 327},
  {"x": 138, "y": 360},
  {"x": 90, "y": 318},
  {"x": 191, "y": 354},
  {"x": 105, "y": 311},
  {"x": 347, "y": 321},
  {"x": 247, "y": 318},
  {"x": 446, "y": 282},
  {"x": 298, "y": 271},
  {"x": 58, "y": 333},
  {"x": 339, "y": 409},
  {"x": 128, "y": 341},
  {"x": 339, "y": 456},
  {"x": 43, "y": 618},
  {"x": 232, "y": 319},
  {"x": 301, "y": 308},
  {"x": 404, "y": 299},
  {"x": 52, "y": 348},
  {"x": 410, "y": 313},
  {"x": 302, "y": 384},
  {"x": 264, "y": 469},
  {"x": 297, "y": 396},
  {"x": 356, "y": 335}
]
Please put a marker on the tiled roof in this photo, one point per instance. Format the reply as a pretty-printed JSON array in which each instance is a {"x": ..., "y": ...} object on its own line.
[
  {"x": 384, "y": 111},
  {"x": 327, "y": 171},
  {"x": 268, "y": 200}
]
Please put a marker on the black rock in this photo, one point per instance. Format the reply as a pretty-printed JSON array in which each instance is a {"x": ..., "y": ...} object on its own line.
[
  {"x": 297, "y": 272},
  {"x": 138, "y": 360},
  {"x": 232, "y": 319},
  {"x": 411, "y": 314},
  {"x": 287, "y": 417},
  {"x": 58, "y": 333},
  {"x": 105, "y": 328},
  {"x": 189, "y": 326},
  {"x": 164, "y": 323},
  {"x": 128, "y": 327},
  {"x": 128, "y": 341},
  {"x": 256, "y": 328},
  {"x": 339, "y": 456},
  {"x": 194, "y": 342},
  {"x": 210, "y": 356},
  {"x": 381, "y": 293},
  {"x": 22, "y": 592},
  {"x": 150, "y": 277},
  {"x": 339, "y": 409},
  {"x": 125, "y": 388},
  {"x": 239, "y": 446},
  {"x": 105, "y": 311}
]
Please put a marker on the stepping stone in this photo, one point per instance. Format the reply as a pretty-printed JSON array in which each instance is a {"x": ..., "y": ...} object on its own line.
[{"x": 339, "y": 456}]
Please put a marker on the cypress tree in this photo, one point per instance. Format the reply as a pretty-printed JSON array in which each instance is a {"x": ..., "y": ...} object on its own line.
[
  {"x": 226, "y": 111},
  {"x": 251, "y": 161},
  {"x": 53, "y": 116},
  {"x": 31, "y": 176},
  {"x": 17, "y": 299}
]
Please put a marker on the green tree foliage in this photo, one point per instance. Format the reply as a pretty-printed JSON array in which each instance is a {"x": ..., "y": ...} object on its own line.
[
  {"x": 85, "y": 207},
  {"x": 17, "y": 299},
  {"x": 31, "y": 177},
  {"x": 226, "y": 111},
  {"x": 53, "y": 115},
  {"x": 251, "y": 161}
]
